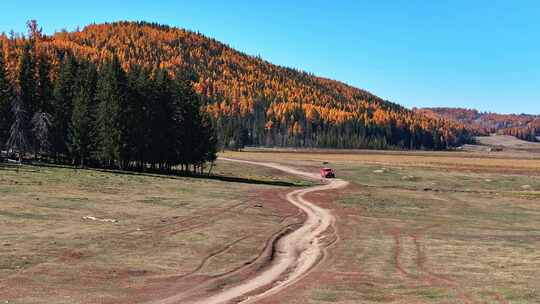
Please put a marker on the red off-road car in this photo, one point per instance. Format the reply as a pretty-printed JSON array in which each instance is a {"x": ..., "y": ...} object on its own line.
[{"x": 328, "y": 173}]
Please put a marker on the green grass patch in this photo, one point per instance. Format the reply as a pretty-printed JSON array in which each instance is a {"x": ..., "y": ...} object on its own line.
[{"x": 325, "y": 296}]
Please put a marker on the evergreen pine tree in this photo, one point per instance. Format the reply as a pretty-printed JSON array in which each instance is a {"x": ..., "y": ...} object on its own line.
[
  {"x": 27, "y": 80},
  {"x": 44, "y": 87},
  {"x": 196, "y": 141},
  {"x": 111, "y": 96},
  {"x": 187, "y": 119},
  {"x": 82, "y": 124},
  {"x": 63, "y": 104},
  {"x": 141, "y": 93},
  {"x": 208, "y": 144},
  {"x": 6, "y": 115},
  {"x": 165, "y": 136}
]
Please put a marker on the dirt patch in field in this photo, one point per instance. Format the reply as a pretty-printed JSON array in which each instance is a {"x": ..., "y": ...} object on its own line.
[
  {"x": 274, "y": 204},
  {"x": 261, "y": 205},
  {"x": 72, "y": 256},
  {"x": 321, "y": 275}
]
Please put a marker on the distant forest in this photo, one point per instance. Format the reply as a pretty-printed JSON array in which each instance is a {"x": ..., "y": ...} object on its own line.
[
  {"x": 522, "y": 126},
  {"x": 99, "y": 92}
]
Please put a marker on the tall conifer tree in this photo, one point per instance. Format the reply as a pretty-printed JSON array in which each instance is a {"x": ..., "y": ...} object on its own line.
[
  {"x": 141, "y": 94},
  {"x": 63, "y": 104},
  {"x": 82, "y": 125},
  {"x": 44, "y": 87},
  {"x": 111, "y": 96},
  {"x": 27, "y": 79},
  {"x": 6, "y": 116}
]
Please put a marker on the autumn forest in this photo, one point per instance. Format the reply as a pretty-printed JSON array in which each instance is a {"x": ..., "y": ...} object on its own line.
[
  {"x": 114, "y": 94},
  {"x": 522, "y": 126}
]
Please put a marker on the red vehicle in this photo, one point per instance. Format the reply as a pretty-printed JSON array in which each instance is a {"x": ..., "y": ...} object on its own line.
[{"x": 327, "y": 173}]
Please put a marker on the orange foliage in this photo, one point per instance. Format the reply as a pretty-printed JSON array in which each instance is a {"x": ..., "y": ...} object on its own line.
[{"x": 233, "y": 84}]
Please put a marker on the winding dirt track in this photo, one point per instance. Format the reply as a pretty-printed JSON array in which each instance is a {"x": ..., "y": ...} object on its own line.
[{"x": 296, "y": 253}]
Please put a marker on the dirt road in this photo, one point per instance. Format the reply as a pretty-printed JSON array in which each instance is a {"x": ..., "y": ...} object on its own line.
[{"x": 295, "y": 255}]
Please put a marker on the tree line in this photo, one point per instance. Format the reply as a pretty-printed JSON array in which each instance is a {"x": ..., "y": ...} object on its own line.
[
  {"x": 522, "y": 126},
  {"x": 287, "y": 124},
  {"x": 529, "y": 132},
  {"x": 102, "y": 115}
]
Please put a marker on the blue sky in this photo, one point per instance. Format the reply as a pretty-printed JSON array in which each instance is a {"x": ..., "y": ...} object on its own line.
[{"x": 475, "y": 54}]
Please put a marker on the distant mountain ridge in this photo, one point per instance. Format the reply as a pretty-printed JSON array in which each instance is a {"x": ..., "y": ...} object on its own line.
[
  {"x": 251, "y": 101},
  {"x": 523, "y": 126}
]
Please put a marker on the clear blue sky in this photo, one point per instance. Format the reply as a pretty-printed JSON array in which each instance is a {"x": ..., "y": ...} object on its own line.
[{"x": 476, "y": 54}]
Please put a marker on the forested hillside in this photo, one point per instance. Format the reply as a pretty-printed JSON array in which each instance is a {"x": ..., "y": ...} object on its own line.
[
  {"x": 522, "y": 126},
  {"x": 68, "y": 109},
  {"x": 250, "y": 101}
]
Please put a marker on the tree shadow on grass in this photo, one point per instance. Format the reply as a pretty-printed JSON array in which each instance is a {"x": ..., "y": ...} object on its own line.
[
  {"x": 235, "y": 179},
  {"x": 175, "y": 175},
  {"x": 223, "y": 178},
  {"x": 14, "y": 167}
]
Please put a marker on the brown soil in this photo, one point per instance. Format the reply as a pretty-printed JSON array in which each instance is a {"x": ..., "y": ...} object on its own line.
[
  {"x": 194, "y": 285},
  {"x": 322, "y": 277},
  {"x": 145, "y": 286}
]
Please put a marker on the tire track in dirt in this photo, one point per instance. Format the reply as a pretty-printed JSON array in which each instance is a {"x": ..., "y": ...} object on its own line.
[
  {"x": 258, "y": 261},
  {"x": 293, "y": 255},
  {"x": 305, "y": 247},
  {"x": 253, "y": 266},
  {"x": 212, "y": 255},
  {"x": 429, "y": 277},
  {"x": 421, "y": 258},
  {"x": 396, "y": 234},
  {"x": 186, "y": 221},
  {"x": 155, "y": 229},
  {"x": 421, "y": 262}
]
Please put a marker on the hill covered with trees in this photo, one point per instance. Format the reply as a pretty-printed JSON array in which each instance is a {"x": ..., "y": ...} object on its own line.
[
  {"x": 248, "y": 100},
  {"x": 522, "y": 126},
  {"x": 70, "y": 109}
]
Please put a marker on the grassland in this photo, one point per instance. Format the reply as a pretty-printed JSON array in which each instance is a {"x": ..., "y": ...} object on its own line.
[
  {"x": 509, "y": 142},
  {"x": 414, "y": 227},
  {"x": 85, "y": 236},
  {"x": 434, "y": 228}
]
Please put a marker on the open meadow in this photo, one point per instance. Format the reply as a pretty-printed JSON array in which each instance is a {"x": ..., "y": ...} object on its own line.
[
  {"x": 412, "y": 227},
  {"x": 87, "y": 236},
  {"x": 425, "y": 228}
]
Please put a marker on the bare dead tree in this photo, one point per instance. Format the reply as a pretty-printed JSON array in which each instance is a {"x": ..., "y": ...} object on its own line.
[
  {"x": 41, "y": 125},
  {"x": 18, "y": 133}
]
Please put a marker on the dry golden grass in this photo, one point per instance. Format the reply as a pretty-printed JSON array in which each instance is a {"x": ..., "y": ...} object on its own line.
[
  {"x": 508, "y": 141},
  {"x": 165, "y": 226},
  {"x": 449, "y": 160},
  {"x": 429, "y": 228},
  {"x": 415, "y": 227}
]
